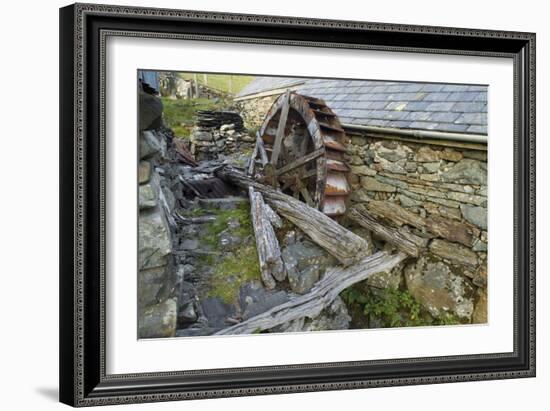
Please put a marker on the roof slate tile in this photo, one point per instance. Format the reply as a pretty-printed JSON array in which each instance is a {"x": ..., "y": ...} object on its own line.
[
  {"x": 443, "y": 106},
  {"x": 477, "y": 129},
  {"x": 431, "y": 106},
  {"x": 436, "y": 96},
  {"x": 425, "y": 125},
  {"x": 472, "y": 118}
]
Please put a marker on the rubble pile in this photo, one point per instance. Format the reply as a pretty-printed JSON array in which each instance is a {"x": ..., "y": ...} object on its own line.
[{"x": 219, "y": 133}]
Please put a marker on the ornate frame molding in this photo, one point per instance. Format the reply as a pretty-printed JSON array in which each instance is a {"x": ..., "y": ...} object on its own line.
[{"x": 83, "y": 378}]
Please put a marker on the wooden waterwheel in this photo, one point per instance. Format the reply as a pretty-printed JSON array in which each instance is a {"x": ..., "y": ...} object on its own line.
[{"x": 300, "y": 150}]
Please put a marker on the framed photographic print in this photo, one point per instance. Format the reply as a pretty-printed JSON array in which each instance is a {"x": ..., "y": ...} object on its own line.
[{"x": 259, "y": 204}]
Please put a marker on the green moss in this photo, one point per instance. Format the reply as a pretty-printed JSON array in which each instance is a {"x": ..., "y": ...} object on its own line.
[
  {"x": 231, "y": 270},
  {"x": 196, "y": 212},
  {"x": 213, "y": 229}
]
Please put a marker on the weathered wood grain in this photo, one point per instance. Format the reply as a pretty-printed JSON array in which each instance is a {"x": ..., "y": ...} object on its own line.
[
  {"x": 280, "y": 130},
  {"x": 310, "y": 305},
  {"x": 395, "y": 213},
  {"x": 455, "y": 231},
  {"x": 269, "y": 253},
  {"x": 252, "y": 161},
  {"x": 301, "y": 161},
  {"x": 261, "y": 150},
  {"x": 403, "y": 240}
]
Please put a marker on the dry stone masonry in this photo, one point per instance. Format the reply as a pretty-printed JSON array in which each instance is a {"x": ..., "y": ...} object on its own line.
[
  {"x": 157, "y": 314},
  {"x": 429, "y": 196},
  {"x": 438, "y": 195},
  {"x": 219, "y": 132}
]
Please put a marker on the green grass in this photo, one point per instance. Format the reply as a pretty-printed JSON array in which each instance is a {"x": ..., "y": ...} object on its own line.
[
  {"x": 228, "y": 83},
  {"x": 232, "y": 270},
  {"x": 179, "y": 115}
]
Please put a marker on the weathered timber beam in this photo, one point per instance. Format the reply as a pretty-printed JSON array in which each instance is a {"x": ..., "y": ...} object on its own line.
[
  {"x": 396, "y": 214},
  {"x": 344, "y": 245},
  {"x": 269, "y": 253},
  {"x": 455, "y": 231},
  {"x": 403, "y": 240},
  {"x": 310, "y": 305},
  {"x": 272, "y": 216}
]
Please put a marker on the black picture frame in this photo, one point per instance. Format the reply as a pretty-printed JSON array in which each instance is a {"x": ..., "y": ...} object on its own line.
[{"x": 83, "y": 29}]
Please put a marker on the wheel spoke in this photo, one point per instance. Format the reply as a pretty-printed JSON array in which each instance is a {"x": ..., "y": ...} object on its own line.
[
  {"x": 306, "y": 151},
  {"x": 301, "y": 161},
  {"x": 306, "y": 196},
  {"x": 280, "y": 129}
]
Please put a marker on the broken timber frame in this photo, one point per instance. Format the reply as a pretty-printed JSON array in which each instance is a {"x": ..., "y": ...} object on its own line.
[
  {"x": 310, "y": 305},
  {"x": 259, "y": 149},
  {"x": 345, "y": 246}
]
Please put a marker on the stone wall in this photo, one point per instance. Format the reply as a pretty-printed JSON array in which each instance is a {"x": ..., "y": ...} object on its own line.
[
  {"x": 218, "y": 134},
  {"x": 439, "y": 194},
  {"x": 253, "y": 111},
  {"x": 156, "y": 303}
]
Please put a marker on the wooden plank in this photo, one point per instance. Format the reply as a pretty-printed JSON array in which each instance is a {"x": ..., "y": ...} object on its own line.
[
  {"x": 259, "y": 233},
  {"x": 336, "y": 185},
  {"x": 306, "y": 196},
  {"x": 403, "y": 240},
  {"x": 454, "y": 231},
  {"x": 280, "y": 129},
  {"x": 310, "y": 305},
  {"x": 269, "y": 253},
  {"x": 396, "y": 214},
  {"x": 272, "y": 216},
  {"x": 329, "y": 127}
]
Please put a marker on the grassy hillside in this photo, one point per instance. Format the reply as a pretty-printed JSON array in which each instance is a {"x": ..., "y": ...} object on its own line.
[
  {"x": 228, "y": 83},
  {"x": 179, "y": 115}
]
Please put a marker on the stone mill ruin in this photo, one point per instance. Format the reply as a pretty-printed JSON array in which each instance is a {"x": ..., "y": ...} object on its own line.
[{"x": 312, "y": 204}]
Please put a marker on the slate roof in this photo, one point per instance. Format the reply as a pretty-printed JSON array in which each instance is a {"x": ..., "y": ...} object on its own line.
[{"x": 423, "y": 106}]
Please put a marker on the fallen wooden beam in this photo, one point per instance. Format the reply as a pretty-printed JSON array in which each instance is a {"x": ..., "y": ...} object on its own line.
[
  {"x": 403, "y": 240},
  {"x": 455, "y": 231},
  {"x": 344, "y": 245},
  {"x": 272, "y": 216},
  {"x": 269, "y": 253},
  {"x": 396, "y": 214},
  {"x": 310, "y": 305}
]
